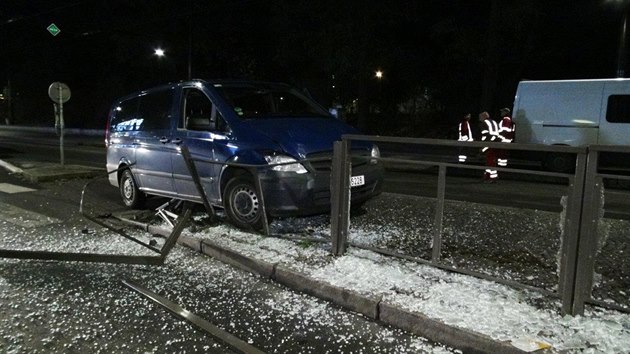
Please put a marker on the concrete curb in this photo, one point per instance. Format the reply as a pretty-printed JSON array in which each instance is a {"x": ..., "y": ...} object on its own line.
[
  {"x": 52, "y": 130},
  {"x": 228, "y": 256},
  {"x": 46, "y": 174},
  {"x": 345, "y": 298},
  {"x": 465, "y": 340},
  {"x": 372, "y": 307},
  {"x": 36, "y": 175},
  {"x": 190, "y": 242}
]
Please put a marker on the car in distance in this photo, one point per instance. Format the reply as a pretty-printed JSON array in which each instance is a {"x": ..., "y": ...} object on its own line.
[{"x": 239, "y": 130}]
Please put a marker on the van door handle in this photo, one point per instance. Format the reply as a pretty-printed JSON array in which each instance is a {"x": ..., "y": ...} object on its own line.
[
  {"x": 164, "y": 140},
  {"x": 177, "y": 141}
]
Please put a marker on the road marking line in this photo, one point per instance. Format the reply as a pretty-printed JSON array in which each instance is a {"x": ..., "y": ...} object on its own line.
[
  {"x": 12, "y": 188},
  {"x": 24, "y": 218}
]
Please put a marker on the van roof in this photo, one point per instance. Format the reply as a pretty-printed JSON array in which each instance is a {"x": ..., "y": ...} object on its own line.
[
  {"x": 213, "y": 82},
  {"x": 575, "y": 80}
]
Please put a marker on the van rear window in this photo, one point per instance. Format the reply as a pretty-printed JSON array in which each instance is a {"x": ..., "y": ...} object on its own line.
[
  {"x": 264, "y": 102},
  {"x": 125, "y": 117},
  {"x": 148, "y": 112},
  {"x": 618, "y": 110}
]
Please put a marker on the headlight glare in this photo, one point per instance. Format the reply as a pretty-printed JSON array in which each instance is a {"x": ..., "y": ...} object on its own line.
[{"x": 286, "y": 165}]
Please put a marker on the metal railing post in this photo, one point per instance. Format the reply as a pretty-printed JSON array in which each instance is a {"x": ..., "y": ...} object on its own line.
[
  {"x": 190, "y": 163},
  {"x": 340, "y": 197},
  {"x": 261, "y": 198},
  {"x": 571, "y": 236},
  {"x": 439, "y": 216},
  {"x": 587, "y": 245}
]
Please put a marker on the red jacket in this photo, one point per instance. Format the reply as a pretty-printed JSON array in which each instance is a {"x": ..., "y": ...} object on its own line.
[{"x": 506, "y": 129}]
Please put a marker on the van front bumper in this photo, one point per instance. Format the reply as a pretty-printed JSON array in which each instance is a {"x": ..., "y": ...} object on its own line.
[{"x": 291, "y": 194}]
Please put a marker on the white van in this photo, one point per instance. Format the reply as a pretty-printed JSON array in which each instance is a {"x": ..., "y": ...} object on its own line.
[{"x": 573, "y": 113}]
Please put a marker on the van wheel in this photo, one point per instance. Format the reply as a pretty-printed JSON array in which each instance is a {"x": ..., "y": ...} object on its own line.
[
  {"x": 131, "y": 195},
  {"x": 242, "y": 204},
  {"x": 558, "y": 162}
]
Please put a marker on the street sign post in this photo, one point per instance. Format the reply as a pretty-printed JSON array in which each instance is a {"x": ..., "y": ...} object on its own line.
[{"x": 60, "y": 94}]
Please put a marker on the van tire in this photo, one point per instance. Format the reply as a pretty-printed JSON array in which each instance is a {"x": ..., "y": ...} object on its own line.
[
  {"x": 241, "y": 203},
  {"x": 131, "y": 196},
  {"x": 559, "y": 162}
]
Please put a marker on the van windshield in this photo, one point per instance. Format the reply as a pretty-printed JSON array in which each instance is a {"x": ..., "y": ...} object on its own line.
[{"x": 259, "y": 101}]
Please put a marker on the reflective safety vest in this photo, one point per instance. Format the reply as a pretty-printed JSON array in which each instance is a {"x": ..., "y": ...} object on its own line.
[
  {"x": 465, "y": 134},
  {"x": 506, "y": 129},
  {"x": 490, "y": 132}
]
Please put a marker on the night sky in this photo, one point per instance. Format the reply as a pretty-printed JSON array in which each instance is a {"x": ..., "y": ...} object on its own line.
[{"x": 440, "y": 58}]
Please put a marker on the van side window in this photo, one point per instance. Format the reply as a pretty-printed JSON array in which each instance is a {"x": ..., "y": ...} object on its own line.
[
  {"x": 199, "y": 113},
  {"x": 126, "y": 116},
  {"x": 155, "y": 109},
  {"x": 618, "y": 110}
]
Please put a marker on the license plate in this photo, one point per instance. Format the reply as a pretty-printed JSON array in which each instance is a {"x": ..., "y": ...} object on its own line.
[{"x": 356, "y": 181}]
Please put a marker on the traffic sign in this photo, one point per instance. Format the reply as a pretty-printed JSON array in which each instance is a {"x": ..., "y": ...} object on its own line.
[
  {"x": 53, "y": 29},
  {"x": 59, "y": 92}
]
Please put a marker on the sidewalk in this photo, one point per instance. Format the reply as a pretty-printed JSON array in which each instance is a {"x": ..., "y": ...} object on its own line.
[{"x": 467, "y": 313}]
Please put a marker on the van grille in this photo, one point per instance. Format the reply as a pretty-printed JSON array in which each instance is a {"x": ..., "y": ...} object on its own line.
[{"x": 322, "y": 161}]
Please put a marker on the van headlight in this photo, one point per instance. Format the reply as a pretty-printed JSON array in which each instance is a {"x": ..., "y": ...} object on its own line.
[
  {"x": 374, "y": 154},
  {"x": 286, "y": 160}
]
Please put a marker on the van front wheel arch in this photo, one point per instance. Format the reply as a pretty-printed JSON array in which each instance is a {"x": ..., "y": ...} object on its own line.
[{"x": 242, "y": 203}]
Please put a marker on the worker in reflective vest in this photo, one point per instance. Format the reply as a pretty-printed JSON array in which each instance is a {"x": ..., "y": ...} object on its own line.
[
  {"x": 489, "y": 132},
  {"x": 465, "y": 134},
  {"x": 506, "y": 133}
]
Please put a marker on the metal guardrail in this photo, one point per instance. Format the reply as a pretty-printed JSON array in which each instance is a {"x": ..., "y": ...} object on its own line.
[
  {"x": 576, "y": 253},
  {"x": 576, "y": 265},
  {"x": 589, "y": 237}
]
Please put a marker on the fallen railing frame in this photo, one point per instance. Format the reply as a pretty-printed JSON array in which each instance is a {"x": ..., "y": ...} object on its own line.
[{"x": 169, "y": 243}]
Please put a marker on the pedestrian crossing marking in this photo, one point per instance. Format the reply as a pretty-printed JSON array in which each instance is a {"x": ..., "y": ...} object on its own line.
[
  {"x": 12, "y": 188},
  {"x": 23, "y": 217}
]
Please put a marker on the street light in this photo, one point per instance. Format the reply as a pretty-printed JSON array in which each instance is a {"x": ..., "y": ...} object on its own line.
[
  {"x": 379, "y": 74},
  {"x": 159, "y": 52}
]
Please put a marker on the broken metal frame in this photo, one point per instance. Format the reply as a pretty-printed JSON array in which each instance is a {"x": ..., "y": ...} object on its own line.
[
  {"x": 106, "y": 258},
  {"x": 232, "y": 341},
  {"x": 252, "y": 169},
  {"x": 580, "y": 234},
  {"x": 106, "y": 225}
]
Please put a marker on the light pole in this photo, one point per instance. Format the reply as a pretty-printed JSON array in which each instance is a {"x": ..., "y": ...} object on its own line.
[
  {"x": 622, "y": 50},
  {"x": 379, "y": 77},
  {"x": 621, "y": 56},
  {"x": 159, "y": 53}
]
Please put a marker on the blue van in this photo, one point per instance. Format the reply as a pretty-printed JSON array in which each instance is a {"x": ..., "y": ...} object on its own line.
[{"x": 227, "y": 124}]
